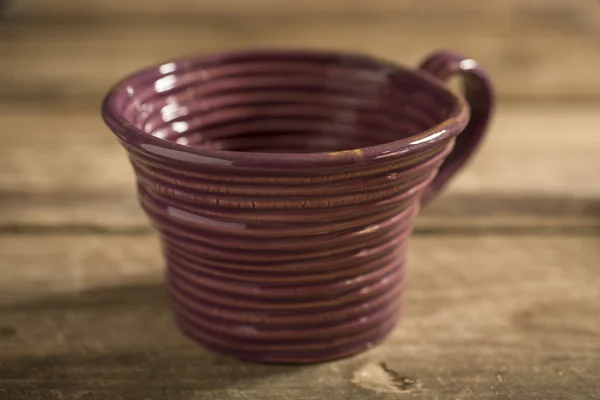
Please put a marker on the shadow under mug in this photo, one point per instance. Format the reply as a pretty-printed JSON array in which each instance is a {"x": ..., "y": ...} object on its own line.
[{"x": 284, "y": 185}]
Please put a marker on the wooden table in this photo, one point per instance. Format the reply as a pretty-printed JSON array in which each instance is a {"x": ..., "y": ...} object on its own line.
[{"x": 504, "y": 293}]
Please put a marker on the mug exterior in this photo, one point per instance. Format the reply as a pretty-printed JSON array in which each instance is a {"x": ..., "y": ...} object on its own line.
[{"x": 284, "y": 185}]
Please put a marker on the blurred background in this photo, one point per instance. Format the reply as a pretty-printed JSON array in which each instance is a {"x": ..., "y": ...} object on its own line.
[{"x": 73, "y": 50}]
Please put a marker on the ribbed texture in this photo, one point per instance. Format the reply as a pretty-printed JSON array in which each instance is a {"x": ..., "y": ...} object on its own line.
[{"x": 296, "y": 263}]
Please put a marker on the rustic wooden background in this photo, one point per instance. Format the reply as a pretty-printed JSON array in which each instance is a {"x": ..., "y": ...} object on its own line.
[
  {"x": 536, "y": 49},
  {"x": 504, "y": 299}
]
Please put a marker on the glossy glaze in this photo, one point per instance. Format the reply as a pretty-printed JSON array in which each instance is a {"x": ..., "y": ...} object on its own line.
[{"x": 284, "y": 185}]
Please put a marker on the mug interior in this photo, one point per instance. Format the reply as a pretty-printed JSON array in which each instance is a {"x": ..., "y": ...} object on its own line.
[{"x": 282, "y": 102}]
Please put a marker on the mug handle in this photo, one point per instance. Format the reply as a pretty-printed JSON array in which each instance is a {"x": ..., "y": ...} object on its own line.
[{"x": 479, "y": 93}]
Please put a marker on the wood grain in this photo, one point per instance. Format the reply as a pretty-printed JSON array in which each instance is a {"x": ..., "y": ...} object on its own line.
[
  {"x": 150, "y": 8},
  {"x": 534, "y": 49},
  {"x": 537, "y": 169},
  {"x": 487, "y": 317}
]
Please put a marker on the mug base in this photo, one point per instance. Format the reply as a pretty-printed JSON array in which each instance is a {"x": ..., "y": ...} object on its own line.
[{"x": 290, "y": 356}]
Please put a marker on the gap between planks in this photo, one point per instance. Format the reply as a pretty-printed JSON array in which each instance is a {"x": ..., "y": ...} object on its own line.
[
  {"x": 453, "y": 215},
  {"x": 107, "y": 9}
]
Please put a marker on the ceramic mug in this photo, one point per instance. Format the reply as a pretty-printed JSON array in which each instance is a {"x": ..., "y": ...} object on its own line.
[{"x": 284, "y": 185}]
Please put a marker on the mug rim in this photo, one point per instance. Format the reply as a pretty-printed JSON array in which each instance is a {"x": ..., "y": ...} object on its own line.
[{"x": 130, "y": 134}]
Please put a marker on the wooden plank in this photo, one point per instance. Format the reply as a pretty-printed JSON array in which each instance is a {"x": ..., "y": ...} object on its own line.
[
  {"x": 158, "y": 8},
  {"x": 534, "y": 50},
  {"x": 487, "y": 317},
  {"x": 537, "y": 169}
]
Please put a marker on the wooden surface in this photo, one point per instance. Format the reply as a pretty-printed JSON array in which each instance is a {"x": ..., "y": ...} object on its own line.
[
  {"x": 504, "y": 293},
  {"x": 490, "y": 316},
  {"x": 535, "y": 49}
]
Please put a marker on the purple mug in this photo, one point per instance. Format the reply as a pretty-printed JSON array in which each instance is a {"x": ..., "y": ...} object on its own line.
[{"x": 284, "y": 185}]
